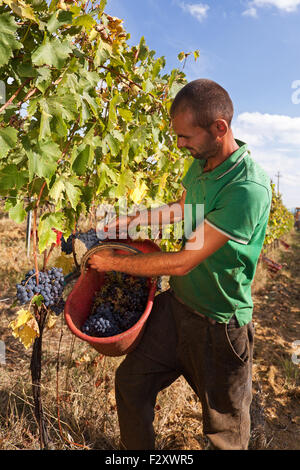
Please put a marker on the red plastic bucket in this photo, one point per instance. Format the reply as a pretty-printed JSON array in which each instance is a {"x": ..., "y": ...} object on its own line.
[{"x": 79, "y": 303}]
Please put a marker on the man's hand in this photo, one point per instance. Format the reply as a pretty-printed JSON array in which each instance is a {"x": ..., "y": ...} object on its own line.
[{"x": 102, "y": 261}]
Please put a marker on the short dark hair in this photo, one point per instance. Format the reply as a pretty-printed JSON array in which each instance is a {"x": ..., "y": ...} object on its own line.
[{"x": 206, "y": 99}]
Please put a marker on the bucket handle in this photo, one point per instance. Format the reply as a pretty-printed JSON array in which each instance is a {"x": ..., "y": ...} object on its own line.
[{"x": 104, "y": 246}]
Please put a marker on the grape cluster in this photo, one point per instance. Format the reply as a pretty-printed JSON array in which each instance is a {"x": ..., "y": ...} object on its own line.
[
  {"x": 117, "y": 306},
  {"x": 50, "y": 286},
  {"x": 89, "y": 238},
  {"x": 67, "y": 245}
]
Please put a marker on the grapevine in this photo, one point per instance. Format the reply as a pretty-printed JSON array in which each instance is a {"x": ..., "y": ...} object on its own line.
[
  {"x": 85, "y": 122},
  {"x": 281, "y": 220}
]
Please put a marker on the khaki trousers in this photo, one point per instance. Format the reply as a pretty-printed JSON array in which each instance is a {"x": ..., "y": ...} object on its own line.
[{"x": 214, "y": 358}]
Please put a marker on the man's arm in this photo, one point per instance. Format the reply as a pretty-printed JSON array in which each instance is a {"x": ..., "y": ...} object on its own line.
[
  {"x": 163, "y": 215},
  {"x": 166, "y": 214},
  {"x": 203, "y": 243}
]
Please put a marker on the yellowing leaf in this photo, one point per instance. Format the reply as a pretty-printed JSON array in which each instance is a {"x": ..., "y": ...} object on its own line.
[
  {"x": 65, "y": 262},
  {"x": 51, "y": 321},
  {"x": 25, "y": 327},
  {"x": 139, "y": 193},
  {"x": 21, "y": 9},
  {"x": 163, "y": 182}
]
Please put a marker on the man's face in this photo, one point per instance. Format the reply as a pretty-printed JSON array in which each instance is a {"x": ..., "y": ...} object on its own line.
[{"x": 201, "y": 143}]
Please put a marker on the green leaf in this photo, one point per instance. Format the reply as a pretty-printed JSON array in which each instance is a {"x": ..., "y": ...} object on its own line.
[
  {"x": 102, "y": 5},
  {"x": 126, "y": 181},
  {"x": 11, "y": 177},
  {"x": 63, "y": 106},
  {"x": 112, "y": 115},
  {"x": 8, "y": 140},
  {"x": 38, "y": 299},
  {"x": 73, "y": 193},
  {"x": 17, "y": 213},
  {"x": 43, "y": 159},
  {"x": 83, "y": 160},
  {"x": 103, "y": 53},
  {"x": 58, "y": 19},
  {"x": 113, "y": 144},
  {"x": 84, "y": 113},
  {"x": 44, "y": 79},
  {"x": 147, "y": 86},
  {"x": 126, "y": 114},
  {"x": 26, "y": 70},
  {"x": 85, "y": 21},
  {"x": 46, "y": 117},
  {"x": 8, "y": 41},
  {"x": 46, "y": 235},
  {"x": 57, "y": 189},
  {"x": 52, "y": 52}
]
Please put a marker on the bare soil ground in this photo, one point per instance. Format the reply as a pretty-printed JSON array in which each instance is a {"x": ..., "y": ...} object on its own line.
[{"x": 78, "y": 383}]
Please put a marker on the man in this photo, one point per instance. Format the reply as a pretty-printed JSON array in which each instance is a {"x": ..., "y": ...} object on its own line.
[{"x": 201, "y": 327}]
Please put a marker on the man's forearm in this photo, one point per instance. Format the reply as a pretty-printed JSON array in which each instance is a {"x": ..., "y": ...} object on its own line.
[
  {"x": 148, "y": 264},
  {"x": 159, "y": 216}
]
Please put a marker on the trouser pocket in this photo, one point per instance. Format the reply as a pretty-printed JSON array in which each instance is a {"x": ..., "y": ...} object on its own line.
[{"x": 237, "y": 339}]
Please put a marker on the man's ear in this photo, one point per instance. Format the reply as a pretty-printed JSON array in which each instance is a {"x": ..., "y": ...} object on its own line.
[{"x": 219, "y": 128}]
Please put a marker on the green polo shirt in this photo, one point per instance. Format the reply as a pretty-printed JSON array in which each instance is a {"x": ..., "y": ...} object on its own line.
[{"x": 237, "y": 198}]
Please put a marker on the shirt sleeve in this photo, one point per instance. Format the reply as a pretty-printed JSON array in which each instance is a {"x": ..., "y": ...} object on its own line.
[{"x": 239, "y": 209}]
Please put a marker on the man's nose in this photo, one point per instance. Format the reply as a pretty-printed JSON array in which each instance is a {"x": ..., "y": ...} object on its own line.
[{"x": 180, "y": 142}]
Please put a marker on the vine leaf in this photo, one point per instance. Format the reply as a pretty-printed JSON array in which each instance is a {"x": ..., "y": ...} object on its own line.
[
  {"x": 43, "y": 159},
  {"x": 52, "y": 52},
  {"x": 25, "y": 327},
  {"x": 65, "y": 262},
  {"x": 73, "y": 193},
  {"x": 8, "y": 41},
  {"x": 8, "y": 140},
  {"x": 47, "y": 236},
  {"x": 11, "y": 177},
  {"x": 58, "y": 19},
  {"x": 139, "y": 192},
  {"x": 21, "y": 9},
  {"x": 17, "y": 213}
]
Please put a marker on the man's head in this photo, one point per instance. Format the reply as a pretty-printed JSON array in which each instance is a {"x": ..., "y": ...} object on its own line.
[{"x": 201, "y": 116}]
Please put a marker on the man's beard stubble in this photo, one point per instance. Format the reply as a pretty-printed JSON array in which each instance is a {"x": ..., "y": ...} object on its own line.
[{"x": 208, "y": 152}]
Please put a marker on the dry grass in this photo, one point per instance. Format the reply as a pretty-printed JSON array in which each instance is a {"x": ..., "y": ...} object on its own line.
[{"x": 85, "y": 415}]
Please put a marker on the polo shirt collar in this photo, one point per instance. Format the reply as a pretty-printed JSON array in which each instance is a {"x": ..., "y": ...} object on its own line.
[{"x": 228, "y": 165}]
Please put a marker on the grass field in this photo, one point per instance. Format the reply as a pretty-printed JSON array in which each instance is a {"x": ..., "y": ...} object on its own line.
[{"x": 78, "y": 383}]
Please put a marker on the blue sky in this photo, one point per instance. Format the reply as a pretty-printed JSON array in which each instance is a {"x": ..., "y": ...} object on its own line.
[{"x": 250, "y": 47}]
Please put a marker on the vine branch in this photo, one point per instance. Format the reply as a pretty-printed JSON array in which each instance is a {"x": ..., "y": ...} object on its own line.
[{"x": 11, "y": 99}]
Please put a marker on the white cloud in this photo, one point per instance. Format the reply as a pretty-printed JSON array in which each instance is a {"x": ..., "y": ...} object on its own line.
[
  {"x": 285, "y": 5},
  {"x": 288, "y": 6},
  {"x": 198, "y": 10},
  {"x": 270, "y": 129},
  {"x": 274, "y": 142},
  {"x": 250, "y": 12}
]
